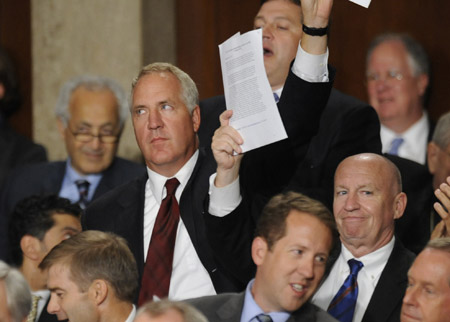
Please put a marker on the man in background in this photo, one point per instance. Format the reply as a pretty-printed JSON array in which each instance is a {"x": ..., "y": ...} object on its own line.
[
  {"x": 397, "y": 73},
  {"x": 91, "y": 112},
  {"x": 38, "y": 224}
]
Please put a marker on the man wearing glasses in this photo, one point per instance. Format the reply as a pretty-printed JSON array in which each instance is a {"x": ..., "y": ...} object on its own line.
[{"x": 91, "y": 113}]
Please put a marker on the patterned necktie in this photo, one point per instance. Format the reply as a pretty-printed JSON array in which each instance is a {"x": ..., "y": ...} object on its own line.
[
  {"x": 83, "y": 189},
  {"x": 33, "y": 313},
  {"x": 276, "y": 97},
  {"x": 342, "y": 307},
  {"x": 263, "y": 318},
  {"x": 158, "y": 267},
  {"x": 395, "y": 145}
]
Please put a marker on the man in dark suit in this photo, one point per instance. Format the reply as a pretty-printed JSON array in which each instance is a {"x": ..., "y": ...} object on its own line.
[
  {"x": 292, "y": 243},
  {"x": 368, "y": 198},
  {"x": 37, "y": 225},
  {"x": 397, "y": 74},
  {"x": 17, "y": 150},
  {"x": 347, "y": 126},
  {"x": 166, "y": 118},
  {"x": 91, "y": 112}
]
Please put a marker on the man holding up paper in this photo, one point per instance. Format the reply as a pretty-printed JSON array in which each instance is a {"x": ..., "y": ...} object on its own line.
[
  {"x": 166, "y": 118},
  {"x": 347, "y": 126}
]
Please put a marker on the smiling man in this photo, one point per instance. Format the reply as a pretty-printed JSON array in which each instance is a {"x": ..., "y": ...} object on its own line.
[
  {"x": 293, "y": 240},
  {"x": 368, "y": 198},
  {"x": 90, "y": 111},
  {"x": 397, "y": 73}
]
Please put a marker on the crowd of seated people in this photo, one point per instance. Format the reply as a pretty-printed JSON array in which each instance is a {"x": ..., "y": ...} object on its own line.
[{"x": 333, "y": 223}]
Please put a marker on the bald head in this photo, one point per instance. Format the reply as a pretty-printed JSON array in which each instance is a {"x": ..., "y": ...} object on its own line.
[{"x": 367, "y": 199}]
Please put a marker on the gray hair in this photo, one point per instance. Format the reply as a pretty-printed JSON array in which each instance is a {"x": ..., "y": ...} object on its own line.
[
  {"x": 417, "y": 57},
  {"x": 189, "y": 93},
  {"x": 442, "y": 244},
  {"x": 92, "y": 83},
  {"x": 441, "y": 135},
  {"x": 187, "y": 311},
  {"x": 18, "y": 295}
]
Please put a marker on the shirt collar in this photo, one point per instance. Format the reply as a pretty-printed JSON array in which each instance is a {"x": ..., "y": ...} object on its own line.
[
  {"x": 252, "y": 309},
  {"x": 132, "y": 314},
  {"x": 157, "y": 181},
  {"x": 412, "y": 135},
  {"x": 73, "y": 175}
]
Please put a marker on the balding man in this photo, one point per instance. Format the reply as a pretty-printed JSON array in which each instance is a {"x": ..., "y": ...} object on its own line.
[{"x": 368, "y": 198}]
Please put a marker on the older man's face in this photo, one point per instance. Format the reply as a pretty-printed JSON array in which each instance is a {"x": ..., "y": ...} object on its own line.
[
  {"x": 427, "y": 298},
  {"x": 91, "y": 112},
  {"x": 366, "y": 202},
  {"x": 394, "y": 91}
]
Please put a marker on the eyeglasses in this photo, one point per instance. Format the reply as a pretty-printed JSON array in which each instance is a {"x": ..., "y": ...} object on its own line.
[
  {"x": 88, "y": 137},
  {"x": 391, "y": 75}
]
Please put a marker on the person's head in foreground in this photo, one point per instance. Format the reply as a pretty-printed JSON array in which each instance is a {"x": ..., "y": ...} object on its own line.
[{"x": 169, "y": 311}]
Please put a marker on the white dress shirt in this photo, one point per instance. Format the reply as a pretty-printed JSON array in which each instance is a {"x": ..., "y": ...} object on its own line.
[
  {"x": 132, "y": 315},
  {"x": 45, "y": 295},
  {"x": 415, "y": 142},
  {"x": 189, "y": 277},
  {"x": 368, "y": 278}
]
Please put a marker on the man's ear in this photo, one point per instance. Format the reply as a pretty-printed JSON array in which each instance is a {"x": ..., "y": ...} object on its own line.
[
  {"x": 432, "y": 157},
  {"x": 259, "y": 250},
  {"x": 61, "y": 127},
  {"x": 196, "y": 118},
  {"x": 422, "y": 83},
  {"x": 31, "y": 247},
  {"x": 98, "y": 291},
  {"x": 400, "y": 205}
]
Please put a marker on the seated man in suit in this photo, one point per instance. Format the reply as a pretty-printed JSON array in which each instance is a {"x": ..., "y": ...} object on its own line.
[
  {"x": 347, "y": 126},
  {"x": 38, "y": 224},
  {"x": 16, "y": 149},
  {"x": 91, "y": 112},
  {"x": 15, "y": 296},
  {"x": 168, "y": 311},
  {"x": 293, "y": 240},
  {"x": 368, "y": 198},
  {"x": 427, "y": 297},
  {"x": 397, "y": 73},
  {"x": 166, "y": 118},
  {"x": 92, "y": 277}
]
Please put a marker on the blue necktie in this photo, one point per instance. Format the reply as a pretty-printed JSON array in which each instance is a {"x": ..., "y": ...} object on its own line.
[
  {"x": 276, "y": 97},
  {"x": 395, "y": 145},
  {"x": 342, "y": 307}
]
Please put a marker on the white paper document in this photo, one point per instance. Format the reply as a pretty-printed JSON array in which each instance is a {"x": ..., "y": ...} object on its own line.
[
  {"x": 247, "y": 91},
  {"x": 364, "y": 3}
]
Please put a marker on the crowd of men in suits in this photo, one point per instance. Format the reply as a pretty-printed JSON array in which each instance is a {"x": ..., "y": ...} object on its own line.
[{"x": 223, "y": 230}]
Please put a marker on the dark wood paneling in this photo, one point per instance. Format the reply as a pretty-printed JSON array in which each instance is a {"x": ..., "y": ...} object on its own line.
[{"x": 15, "y": 36}]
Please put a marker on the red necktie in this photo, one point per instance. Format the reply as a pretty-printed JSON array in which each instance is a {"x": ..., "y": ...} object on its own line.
[{"x": 158, "y": 267}]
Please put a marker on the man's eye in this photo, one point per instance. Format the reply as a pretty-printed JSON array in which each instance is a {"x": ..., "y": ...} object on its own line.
[
  {"x": 321, "y": 259},
  {"x": 166, "y": 107},
  {"x": 139, "y": 111},
  {"x": 282, "y": 28},
  {"x": 341, "y": 193}
]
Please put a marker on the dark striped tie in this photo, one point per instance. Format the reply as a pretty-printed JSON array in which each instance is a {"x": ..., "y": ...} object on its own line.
[
  {"x": 342, "y": 307},
  {"x": 83, "y": 190}
]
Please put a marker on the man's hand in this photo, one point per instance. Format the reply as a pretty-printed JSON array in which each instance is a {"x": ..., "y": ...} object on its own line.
[
  {"x": 225, "y": 142},
  {"x": 443, "y": 194},
  {"x": 316, "y": 14}
]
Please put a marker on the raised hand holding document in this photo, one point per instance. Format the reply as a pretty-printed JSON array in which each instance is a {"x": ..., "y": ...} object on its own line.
[{"x": 247, "y": 91}]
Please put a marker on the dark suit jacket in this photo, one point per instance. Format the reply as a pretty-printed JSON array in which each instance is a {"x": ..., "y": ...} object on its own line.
[
  {"x": 413, "y": 228},
  {"x": 348, "y": 126},
  {"x": 228, "y": 308},
  {"x": 46, "y": 178},
  {"x": 17, "y": 150},
  {"x": 121, "y": 210},
  {"x": 386, "y": 301}
]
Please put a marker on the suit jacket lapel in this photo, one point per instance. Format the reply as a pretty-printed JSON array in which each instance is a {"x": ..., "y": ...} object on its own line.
[{"x": 231, "y": 310}]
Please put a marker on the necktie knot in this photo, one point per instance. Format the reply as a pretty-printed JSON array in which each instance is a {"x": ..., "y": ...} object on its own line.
[
  {"x": 263, "y": 318},
  {"x": 171, "y": 186},
  {"x": 355, "y": 266},
  {"x": 395, "y": 145}
]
